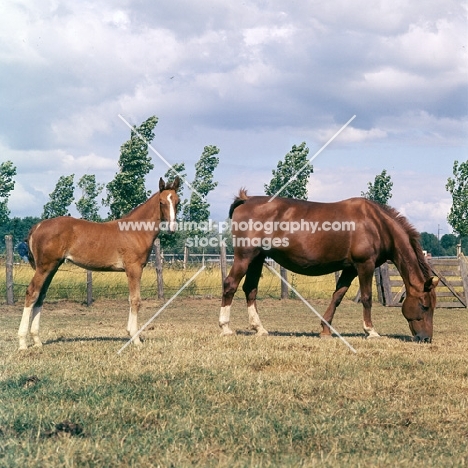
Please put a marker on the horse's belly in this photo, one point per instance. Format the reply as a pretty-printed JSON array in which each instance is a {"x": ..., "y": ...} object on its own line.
[
  {"x": 115, "y": 265},
  {"x": 307, "y": 265}
]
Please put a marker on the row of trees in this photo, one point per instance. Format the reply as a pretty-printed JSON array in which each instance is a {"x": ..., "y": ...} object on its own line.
[{"x": 128, "y": 189}]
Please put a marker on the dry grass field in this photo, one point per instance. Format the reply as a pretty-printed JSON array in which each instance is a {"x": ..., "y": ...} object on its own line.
[{"x": 192, "y": 398}]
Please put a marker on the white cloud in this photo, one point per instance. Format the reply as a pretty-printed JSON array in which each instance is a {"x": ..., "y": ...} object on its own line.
[
  {"x": 23, "y": 201},
  {"x": 252, "y": 78},
  {"x": 428, "y": 216}
]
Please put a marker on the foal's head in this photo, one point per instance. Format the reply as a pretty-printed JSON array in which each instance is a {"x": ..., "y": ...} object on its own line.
[{"x": 169, "y": 201}]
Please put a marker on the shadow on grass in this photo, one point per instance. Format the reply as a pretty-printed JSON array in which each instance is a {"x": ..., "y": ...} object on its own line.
[
  {"x": 404, "y": 338},
  {"x": 86, "y": 338}
]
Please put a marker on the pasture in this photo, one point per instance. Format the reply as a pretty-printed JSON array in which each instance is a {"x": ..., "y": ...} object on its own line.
[{"x": 192, "y": 398}]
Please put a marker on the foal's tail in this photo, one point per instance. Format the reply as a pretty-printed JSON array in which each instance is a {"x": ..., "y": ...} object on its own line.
[
  {"x": 239, "y": 200},
  {"x": 31, "y": 259}
]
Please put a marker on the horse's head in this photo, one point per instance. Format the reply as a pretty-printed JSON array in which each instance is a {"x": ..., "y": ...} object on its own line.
[
  {"x": 169, "y": 201},
  {"x": 419, "y": 310}
]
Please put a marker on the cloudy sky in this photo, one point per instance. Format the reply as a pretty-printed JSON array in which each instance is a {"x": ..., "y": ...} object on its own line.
[{"x": 253, "y": 78}]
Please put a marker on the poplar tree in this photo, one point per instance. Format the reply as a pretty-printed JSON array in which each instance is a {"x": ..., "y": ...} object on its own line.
[
  {"x": 7, "y": 184},
  {"x": 458, "y": 188},
  {"x": 60, "y": 199},
  {"x": 198, "y": 208},
  {"x": 87, "y": 205},
  {"x": 128, "y": 190},
  {"x": 381, "y": 190},
  {"x": 291, "y": 176}
]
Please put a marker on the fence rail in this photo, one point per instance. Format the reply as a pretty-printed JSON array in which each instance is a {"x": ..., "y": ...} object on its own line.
[{"x": 73, "y": 283}]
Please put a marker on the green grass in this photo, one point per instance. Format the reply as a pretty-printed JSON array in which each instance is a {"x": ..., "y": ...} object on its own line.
[{"x": 192, "y": 398}]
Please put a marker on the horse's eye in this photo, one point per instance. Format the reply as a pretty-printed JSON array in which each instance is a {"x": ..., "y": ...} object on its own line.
[{"x": 423, "y": 307}]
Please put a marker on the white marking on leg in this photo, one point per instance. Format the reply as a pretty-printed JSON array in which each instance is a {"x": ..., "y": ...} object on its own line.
[
  {"x": 370, "y": 331},
  {"x": 36, "y": 317},
  {"x": 129, "y": 321},
  {"x": 132, "y": 326},
  {"x": 172, "y": 221},
  {"x": 255, "y": 322},
  {"x": 224, "y": 317},
  {"x": 24, "y": 327}
]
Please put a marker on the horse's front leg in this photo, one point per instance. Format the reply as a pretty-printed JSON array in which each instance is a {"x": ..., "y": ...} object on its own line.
[
  {"x": 366, "y": 273},
  {"x": 134, "y": 281}
]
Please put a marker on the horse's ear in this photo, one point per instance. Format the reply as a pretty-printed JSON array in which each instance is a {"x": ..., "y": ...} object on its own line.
[
  {"x": 162, "y": 184},
  {"x": 431, "y": 283},
  {"x": 176, "y": 183}
]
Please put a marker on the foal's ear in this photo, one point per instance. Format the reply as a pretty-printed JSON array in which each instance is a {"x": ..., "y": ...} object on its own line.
[
  {"x": 431, "y": 283},
  {"x": 176, "y": 183},
  {"x": 162, "y": 184}
]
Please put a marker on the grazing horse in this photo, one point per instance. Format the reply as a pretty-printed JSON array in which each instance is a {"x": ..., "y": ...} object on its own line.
[
  {"x": 120, "y": 245},
  {"x": 309, "y": 238}
]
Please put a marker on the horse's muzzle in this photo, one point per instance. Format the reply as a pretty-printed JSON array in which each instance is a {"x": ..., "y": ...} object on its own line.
[{"x": 422, "y": 339}]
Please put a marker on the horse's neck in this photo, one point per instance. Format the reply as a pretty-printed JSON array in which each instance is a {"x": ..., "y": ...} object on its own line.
[
  {"x": 148, "y": 211},
  {"x": 406, "y": 260}
]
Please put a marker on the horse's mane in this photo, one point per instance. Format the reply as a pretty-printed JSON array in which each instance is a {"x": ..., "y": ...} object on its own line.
[
  {"x": 238, "y": 200},
  {"x": 413, "y": 235}
]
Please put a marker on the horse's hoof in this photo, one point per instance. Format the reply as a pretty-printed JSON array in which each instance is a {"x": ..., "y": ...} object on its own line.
[
  {"x": 23, "y": 348},
  {"x": 372, "y": 336},
  {"x": 261, "y": 332},
  {"x": 38, "y": 345},
  {"x": 227, "y": 332},
  {"x": 325, "y": 336}
]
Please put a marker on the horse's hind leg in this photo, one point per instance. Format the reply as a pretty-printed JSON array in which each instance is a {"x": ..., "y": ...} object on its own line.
[
  {"x": 342, "y": 286},
  {"x": 230, "y": 285},
  {"x": 35, "y": 295},
  {"x": 250, "y": 288}
]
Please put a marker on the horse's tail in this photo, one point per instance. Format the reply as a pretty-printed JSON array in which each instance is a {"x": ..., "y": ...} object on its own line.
[
  {"x": 31, "y": 259},
  {"x": 239, "y": 200}
]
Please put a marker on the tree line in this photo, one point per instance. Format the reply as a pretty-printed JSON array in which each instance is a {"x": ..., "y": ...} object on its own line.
[{"x": 128, "y": 189}]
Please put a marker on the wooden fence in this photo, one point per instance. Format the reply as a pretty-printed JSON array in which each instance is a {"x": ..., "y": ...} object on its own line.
[
  {"x": 452, "y": 273},
  {"x": 451, "y": 292}
]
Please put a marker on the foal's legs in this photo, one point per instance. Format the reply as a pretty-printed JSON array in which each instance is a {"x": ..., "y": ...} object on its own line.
[
  {"x": 35, "y": 295},
  {"x": 342, "y": 286},
  {"x": 230, "y": 285},
  {"x": 250, "y": 289},
  {"x": 134, "y": 280},
  {"x": 366, "y": 272}
]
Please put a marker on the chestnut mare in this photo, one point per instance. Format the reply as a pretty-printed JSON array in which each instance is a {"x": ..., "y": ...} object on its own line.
[
  {"x": 355, "y": 236},
  {"x": 119, "y": 245}
]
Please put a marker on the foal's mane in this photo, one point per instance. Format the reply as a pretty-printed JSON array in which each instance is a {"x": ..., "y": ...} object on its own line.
[
  {"x": 139, "y": 206},
  {"x": 413, "y": 236},
  {"x": 168, "y": 186}
]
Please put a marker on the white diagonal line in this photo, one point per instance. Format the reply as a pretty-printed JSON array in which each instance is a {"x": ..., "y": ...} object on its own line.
[
  {"x": 161, "y": 309},
  {"x": 311, "y": 308},
  {"x": 157, "y": 153},
  {"x": 312, "y": 158}
]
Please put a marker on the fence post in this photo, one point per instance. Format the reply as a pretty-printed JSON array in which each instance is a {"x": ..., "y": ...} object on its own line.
[
  {"x": 378, "y": 285},
  {"x": 385, "y": 284},
  {"x": 158, "y": 266},
  {"x": 222, "y": 261},
  {"x": 464, "y": 274},
  {"x": 9, "y": 269},
  {"x": 186, "y": 255},
  {"x": 89, "y": 288},
  {"x": 284, "y": 286}
]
